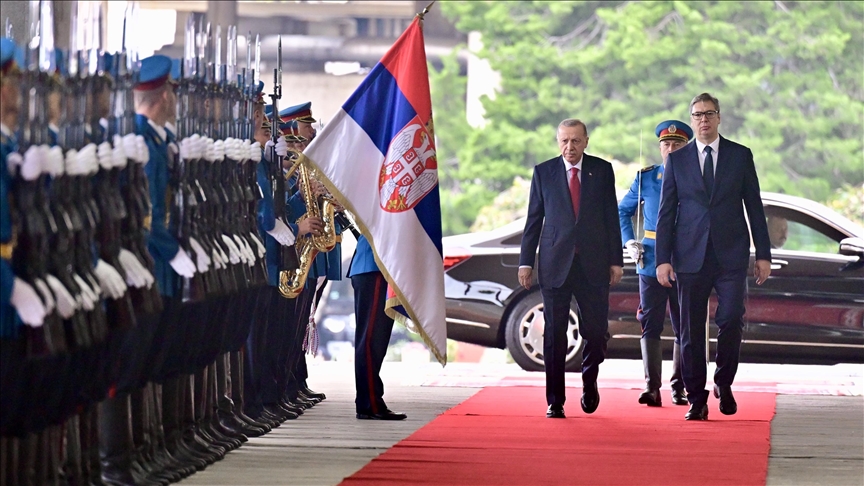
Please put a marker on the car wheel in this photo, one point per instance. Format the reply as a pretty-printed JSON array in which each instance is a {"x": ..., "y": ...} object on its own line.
[{"x": 524, "y": 334}]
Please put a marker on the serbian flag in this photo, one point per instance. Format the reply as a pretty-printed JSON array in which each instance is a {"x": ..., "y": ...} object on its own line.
[{"x": 377, "y": 156}]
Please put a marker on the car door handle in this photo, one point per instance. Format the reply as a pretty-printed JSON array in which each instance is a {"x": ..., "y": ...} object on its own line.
[{"x": 777, "y": 264}]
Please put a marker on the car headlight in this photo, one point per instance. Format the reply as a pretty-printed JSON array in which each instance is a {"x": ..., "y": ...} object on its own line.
[{"x": 334, "y": 324}]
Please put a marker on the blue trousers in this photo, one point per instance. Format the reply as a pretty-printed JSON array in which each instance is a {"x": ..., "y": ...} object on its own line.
[
  {"x": 653, "y": 300},
  {"x": 694, "y": 291}
]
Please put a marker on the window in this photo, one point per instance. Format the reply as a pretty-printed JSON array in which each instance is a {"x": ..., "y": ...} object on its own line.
[{"x": 790, "y": 230}]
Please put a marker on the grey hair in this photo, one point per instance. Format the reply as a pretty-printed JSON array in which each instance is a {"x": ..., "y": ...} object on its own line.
[
  {"x": 574, "y": 122},
  {"x": 704, "y": 97}
]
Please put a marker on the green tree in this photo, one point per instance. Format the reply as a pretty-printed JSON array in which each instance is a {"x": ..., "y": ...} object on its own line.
[{"x": 789, "y": 76}]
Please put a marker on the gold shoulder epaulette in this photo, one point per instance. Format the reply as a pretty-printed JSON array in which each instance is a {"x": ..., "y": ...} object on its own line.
[{"x": 649, "y": 168}]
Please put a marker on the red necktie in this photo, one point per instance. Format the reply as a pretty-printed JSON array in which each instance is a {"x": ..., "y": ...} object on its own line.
[{"x": 575, "y": 190}]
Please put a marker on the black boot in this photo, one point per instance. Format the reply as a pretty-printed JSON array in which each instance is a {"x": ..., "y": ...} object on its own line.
[
  {"x": 115, "y": 440},
  {"x": 652, "y": 360},
  {"x": 72, "y": 468},
  {"x": 679, "y": 396},
  {"x": 253, "y": 428}
]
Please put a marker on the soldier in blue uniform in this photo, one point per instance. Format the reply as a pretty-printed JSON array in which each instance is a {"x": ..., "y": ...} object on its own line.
[
  {"x": 371, "y": 336},
  {"x": 326, "y": 266},
  {"x": 673, "y": 134},
  {"x": 19, "y": 302}
]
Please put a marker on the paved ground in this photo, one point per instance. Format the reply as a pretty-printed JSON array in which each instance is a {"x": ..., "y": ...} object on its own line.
[{"x": 817, "y": 435}]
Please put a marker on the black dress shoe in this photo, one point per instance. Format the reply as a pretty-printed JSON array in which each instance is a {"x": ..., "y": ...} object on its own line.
[
  {"x": 679, "y": 397},
  {"x": 312, "y": 394},
  {"x": 387, "y": 414},
  {"x": 728, "y": 406},
  {"x": 590, "y": 397},
  {"x": 651, "y": 398},
  {"x": 697, "y": 412},
  {"x": 555, "y": 411}
]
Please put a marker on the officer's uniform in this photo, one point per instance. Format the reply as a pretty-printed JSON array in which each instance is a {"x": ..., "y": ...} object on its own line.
[
  {"x": 372, "y": 334},
  {"x": 653, "y": 297},
  {"x": 328, "y": 265},
  {"x": 270, "y": 339}
]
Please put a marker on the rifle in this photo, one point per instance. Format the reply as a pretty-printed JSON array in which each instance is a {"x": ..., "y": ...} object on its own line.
[{"x": 288, "y": 259}]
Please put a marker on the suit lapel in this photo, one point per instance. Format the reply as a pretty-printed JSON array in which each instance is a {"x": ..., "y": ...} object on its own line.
[{"x": 694, "y": 171}]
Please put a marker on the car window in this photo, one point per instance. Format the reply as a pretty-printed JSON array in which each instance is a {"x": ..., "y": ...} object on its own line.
[{"x": 791, "y": 230}]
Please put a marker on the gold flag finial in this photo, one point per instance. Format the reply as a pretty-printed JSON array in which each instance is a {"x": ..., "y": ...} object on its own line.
[{"x": 426, "y": 10}]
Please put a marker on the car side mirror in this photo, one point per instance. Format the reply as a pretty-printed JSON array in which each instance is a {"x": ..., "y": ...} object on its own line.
[{"x": 852, "y": 247}]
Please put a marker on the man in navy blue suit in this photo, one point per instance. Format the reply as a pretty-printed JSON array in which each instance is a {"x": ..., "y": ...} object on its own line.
[
  {"x": 704, "y": 244},
  {"x": 573, "y": 215}
]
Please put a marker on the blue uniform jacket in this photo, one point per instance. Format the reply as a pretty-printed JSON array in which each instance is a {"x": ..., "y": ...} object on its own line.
[
  {"x": 363, "y": 260},
  {"x": 651, "y": 179},
  {"x": 267, "y": 220},
  {"x": 8, "y": 319},
  {"x": 161, "y": 244}
]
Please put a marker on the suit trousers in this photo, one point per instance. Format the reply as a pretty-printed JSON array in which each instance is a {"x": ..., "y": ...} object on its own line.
[
  {"x": 694, "y": 291},
  {"x": 653, "y": 308},
  {"x": 370, "y": 340},
  {"x": 593, "y": 303}
]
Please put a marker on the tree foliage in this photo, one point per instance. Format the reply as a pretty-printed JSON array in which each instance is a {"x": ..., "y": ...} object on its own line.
[{"x": 789, "y": 77}]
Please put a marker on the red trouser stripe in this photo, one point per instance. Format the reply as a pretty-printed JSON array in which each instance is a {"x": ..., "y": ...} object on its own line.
[{"x": 370, "y": 373}]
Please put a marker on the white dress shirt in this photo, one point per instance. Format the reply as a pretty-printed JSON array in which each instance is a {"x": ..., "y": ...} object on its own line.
[
  {"x": 715, "y": 149},
  {"x": 568, "y": 166},
  {"x": 159, "y": 130}
]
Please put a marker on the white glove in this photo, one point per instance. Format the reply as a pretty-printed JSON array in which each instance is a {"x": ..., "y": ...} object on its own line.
[
  {"x": 27, "y": 303},
  {"x": 53, "y": 162},
  {"x": 182, "y": 264},
  {"x": 118, "y": 155},
  {"x": 66, "y": 304},
  {"x": 281, "y": 147},
  {"x": 137, "y": 275},
  {"x": 45, "y": 293},
  {"x": 218, "y": 262},
  {"x": 87, "y": 298},
  {"x": 210, "y": 150},
  {"x": 32, "y": 166},
  {"x": 634, "y": 250},
  {"x": 105, "y": 155},
  {"x": 255, "y": 152},
  {"x": 233, "y": 251},
  {"x": 262, "y": 250},
  {"x": 143, "y": 151},
  {"x": 71, "y": 160},
  {"x": 222, "y": 255},
  {"x": 13, "y": 160},
  {"x": 245, "y": 253},
  {"x": 281, "y": 232},
  {"x": 110, "y": 280},
  {"x": 130, "y": 147},
  {"x": 218, "y": 150},
  {"x": 201, "y": 259}
]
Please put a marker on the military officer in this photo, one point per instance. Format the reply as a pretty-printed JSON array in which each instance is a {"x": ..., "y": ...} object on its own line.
[
  {"x": 645, "y": 191},
  {"x": 371, "y": 336},
  {"x": 297, "y": 122}
]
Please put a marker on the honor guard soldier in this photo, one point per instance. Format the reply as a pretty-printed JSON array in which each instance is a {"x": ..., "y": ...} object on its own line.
[
  {"x": 302, "y": 115},
  {"x": 297, "y": 122},
  {"x": 17, "y": 296},
  {"x": 645, "y": 191}
]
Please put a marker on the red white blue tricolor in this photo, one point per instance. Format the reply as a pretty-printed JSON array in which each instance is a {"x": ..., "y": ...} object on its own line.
[{"x": 377, "y": 155}]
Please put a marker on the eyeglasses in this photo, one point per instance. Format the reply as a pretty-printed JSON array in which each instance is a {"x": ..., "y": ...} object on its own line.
[{"x": 710, "y": 115}]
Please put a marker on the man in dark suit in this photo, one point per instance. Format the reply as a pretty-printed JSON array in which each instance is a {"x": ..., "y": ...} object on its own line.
[
  {"x": 573, "y": 214},
  {"x": 702, "y": 234}
]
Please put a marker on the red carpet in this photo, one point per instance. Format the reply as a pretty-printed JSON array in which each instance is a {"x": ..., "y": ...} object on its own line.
[{"x": 501, "y": 436}]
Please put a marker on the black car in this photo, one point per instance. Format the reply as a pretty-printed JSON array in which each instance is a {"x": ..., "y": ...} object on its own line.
[{"x": 811, "y": 309}]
